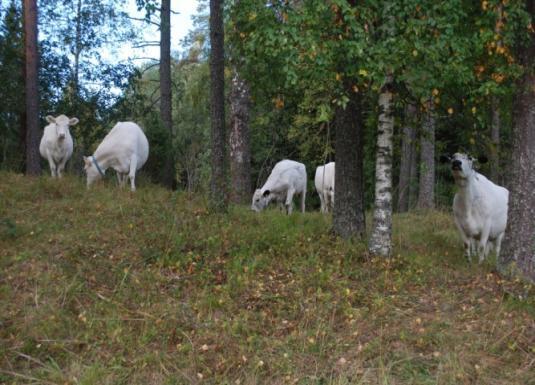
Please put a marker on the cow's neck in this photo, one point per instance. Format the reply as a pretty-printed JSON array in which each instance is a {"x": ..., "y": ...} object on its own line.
[
  {"x": 103, "y": 160},
  {"x": 466, "y": 190}
]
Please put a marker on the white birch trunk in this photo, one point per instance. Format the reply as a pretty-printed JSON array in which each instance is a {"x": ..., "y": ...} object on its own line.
[{"x": 381, "y": 238}]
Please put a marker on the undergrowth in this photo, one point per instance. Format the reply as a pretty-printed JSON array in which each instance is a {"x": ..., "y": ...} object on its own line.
[{"x": 104, "y": 286}]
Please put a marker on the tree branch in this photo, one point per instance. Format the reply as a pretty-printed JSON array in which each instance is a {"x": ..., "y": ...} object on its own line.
[{"x": 144, "y": 20}]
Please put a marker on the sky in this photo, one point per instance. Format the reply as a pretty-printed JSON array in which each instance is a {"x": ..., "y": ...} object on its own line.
[{"x": 181, "y": 23}]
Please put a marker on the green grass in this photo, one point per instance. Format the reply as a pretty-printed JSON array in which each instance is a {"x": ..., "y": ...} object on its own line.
[{"x": 109, "y": 287}]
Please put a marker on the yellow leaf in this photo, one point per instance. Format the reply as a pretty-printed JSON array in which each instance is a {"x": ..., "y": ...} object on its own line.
[
  {"x": 363, "y": 72},
  {"x": 414, "y": 53},
  {"x": 450, "y": 110},
  {"x": 435, "y": 92}
]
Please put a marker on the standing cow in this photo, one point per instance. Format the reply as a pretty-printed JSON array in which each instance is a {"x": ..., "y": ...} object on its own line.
[
  {"x": 479, "y": 207},
  {"x": 125, "y": 149},
  {"x": 324, "y": 182},
  {"x": 56, "y": 144},
  {"x": 287, "y": 178}
]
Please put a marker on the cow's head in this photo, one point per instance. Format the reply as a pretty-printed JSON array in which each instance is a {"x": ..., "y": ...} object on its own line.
[
  {"x": 61, "y": 125},
  {"x": 260, "y": 200},
  {"x": 462, "y": 165},
  {"x": 91, "y": 170}
]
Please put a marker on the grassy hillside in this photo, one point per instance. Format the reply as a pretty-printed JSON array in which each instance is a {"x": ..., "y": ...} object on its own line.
[{"x": 109, "y": 287}]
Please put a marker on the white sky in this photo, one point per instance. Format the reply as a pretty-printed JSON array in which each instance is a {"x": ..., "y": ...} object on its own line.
[{"x": 180, "y": 25}]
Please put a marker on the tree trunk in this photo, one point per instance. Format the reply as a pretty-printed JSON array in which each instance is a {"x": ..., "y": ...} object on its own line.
[
  {"x": 426, "y": 193},
  {"x": 348, "y": 214},
  {"x": 519, "y": 243},
  {"x": 33, "y": 166},
  {"x": 408, "y": 139},
  {"x": 165, "y": 90},
  {"x": 218, "y": 183},
  {"x": 240, "y": 153},
  {"x": 381, "y": 238},
  {"x": 495, "y": 142}
]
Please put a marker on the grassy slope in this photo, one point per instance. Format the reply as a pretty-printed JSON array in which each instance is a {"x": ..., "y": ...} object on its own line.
[{"x": 109, "y": 287}]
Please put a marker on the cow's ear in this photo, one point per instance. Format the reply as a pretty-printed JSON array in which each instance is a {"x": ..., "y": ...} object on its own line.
[
  {"x": 445, "y": 158},
  {"x": 266, "y": 193},
  {"x": 50, "y": 119},
  {"x": 73, "y": 121},
  {"x": 482, "y": 159}
]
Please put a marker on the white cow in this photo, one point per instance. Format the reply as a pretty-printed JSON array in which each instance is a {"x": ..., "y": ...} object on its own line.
[
  {"x": 479, "y": 208},
  {"x": 287, "y": 178},
  {"x": 324, "y": 181},
  {"x": 125, "y": 149},
  {"x": 56, "y": 144}
]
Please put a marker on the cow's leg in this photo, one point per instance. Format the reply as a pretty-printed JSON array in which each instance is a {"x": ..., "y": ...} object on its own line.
[
  {"x": 122, "y": 177},
  {"x": 132, "y": 174},
  {"x": 482, "y": 246},
  {"x": 466, "y": 241},
  {"x": 61, "y": 167},
  {"x": 289, "y": 197},
  {"x": 303, "y": 196},
  {"x": 498, "y": 244},
  {"x": 322, "y": 201},
  {"x": 52, "y": 164}
]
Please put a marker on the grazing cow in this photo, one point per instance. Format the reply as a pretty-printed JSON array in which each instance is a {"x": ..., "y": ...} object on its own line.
[
  {"x": 286, "y": 179},
  {"x": 56, "y": 144},
  {"x": 479, "y": 207},
  {"x": 324, "y": 181},
  {"x": 125, "y": 149}
]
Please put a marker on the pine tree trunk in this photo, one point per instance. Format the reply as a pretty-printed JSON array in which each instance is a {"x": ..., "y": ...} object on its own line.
[
  {"x": 33, "y": 166},
  {"x": 426, "y": 193},
  {"x": 519, "y": 242},
  {"x": 348, "y": 214},
  {"x": 218, "y": 183},
  {"x": 240, "y": 153},
  {"x": 407, "y": 158},
  {"x": 381, "y": 238},
  {"x": 165, "y": 90},
  {"x": 495, "y": 142}
]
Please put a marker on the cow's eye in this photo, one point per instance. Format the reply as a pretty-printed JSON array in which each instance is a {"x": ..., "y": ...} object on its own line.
[{"x": 258, "y": 200}]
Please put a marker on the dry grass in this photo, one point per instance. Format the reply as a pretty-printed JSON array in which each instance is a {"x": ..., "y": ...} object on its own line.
[{"x": 109, "y": 287}]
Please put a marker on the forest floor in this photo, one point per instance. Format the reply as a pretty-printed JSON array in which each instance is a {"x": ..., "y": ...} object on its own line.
[{"x": 109, "y": 287}]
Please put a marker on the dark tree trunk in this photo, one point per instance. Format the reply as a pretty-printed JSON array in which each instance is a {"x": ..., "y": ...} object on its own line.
[
  {"x": 408, "y": 160},
  {"x": 381, "y": 238},
  {"x": 165, "y": 90},
  {"x": 348, "y": 213},
  {"x": 240, "y": 153},
  {"x": 426, "y": 194},
  {"x": 218, "y": 183},
  {"x": 495, "y": 142},
  {"x": 33, "y": 166},
  {"x": 519, "y": 243}
]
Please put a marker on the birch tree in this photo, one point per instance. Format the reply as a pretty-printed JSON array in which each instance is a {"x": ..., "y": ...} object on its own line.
[{"x": 380, "y": 242}]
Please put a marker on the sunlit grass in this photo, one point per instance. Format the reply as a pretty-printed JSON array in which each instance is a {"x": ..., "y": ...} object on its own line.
[{"x": 109, "y": 287}]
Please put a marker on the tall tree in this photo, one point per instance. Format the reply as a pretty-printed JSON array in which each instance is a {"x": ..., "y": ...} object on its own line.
[
  {"x": 519, "y": 242},
  {"x": 166, "y": 112},
  {"x": 348, "y": 214},
  {"x": 426, "y": 193},
  {"x": 380, "y": 242},
  {"x": 408, "y": 159},
  {"x": 218, "y": 182},
  {"x": 33, "y": 166},
  {"x": 495, "y": 141},
  {"x": 239, "y": 140}
]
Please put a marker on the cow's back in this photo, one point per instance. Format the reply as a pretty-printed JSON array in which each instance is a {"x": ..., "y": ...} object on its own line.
[{"x": 125, "y": 139}]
